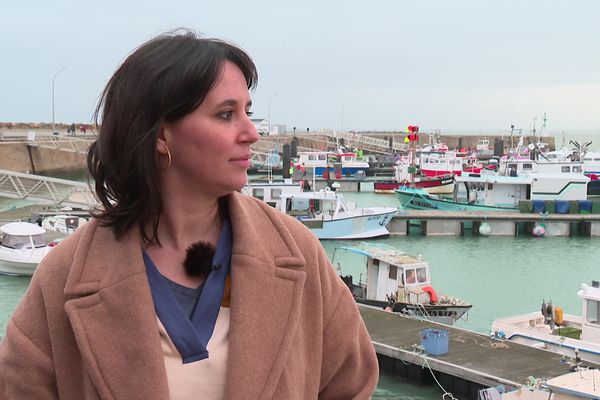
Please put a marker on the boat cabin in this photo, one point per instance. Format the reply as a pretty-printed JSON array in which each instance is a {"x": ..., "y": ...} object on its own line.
[
  {"x": 517, "y": 167},
  {"x": 312, "y": 208},
  {"x": 590, "y": 296},
  {"x": 270, "y": 192},
  {"x": 22, "y": 235},
  {"x": 506, "y": 191},
  {"x": 393, "y": 274},
  {"x": 318, "y": 161}
]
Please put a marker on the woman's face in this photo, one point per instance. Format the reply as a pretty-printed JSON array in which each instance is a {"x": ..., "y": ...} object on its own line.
[{"x": 210, "y": 147}]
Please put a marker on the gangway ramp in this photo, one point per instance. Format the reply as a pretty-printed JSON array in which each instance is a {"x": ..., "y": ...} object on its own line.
[{"x": 45, "y": 190}]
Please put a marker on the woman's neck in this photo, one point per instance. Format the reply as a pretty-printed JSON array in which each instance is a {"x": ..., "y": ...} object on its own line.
[{"x": 179, "y": 228}]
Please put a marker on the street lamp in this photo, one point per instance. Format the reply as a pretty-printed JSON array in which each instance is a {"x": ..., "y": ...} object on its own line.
[
  {"x": 53, "y": 79},
  {"x": 269, "y": 112}
]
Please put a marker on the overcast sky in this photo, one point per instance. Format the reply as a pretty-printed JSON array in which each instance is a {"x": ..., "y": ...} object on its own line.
[{"x": 356, "y": 65}]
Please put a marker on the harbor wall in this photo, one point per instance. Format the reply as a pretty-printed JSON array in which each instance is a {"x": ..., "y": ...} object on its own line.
[{"x": 21, "y": 157}]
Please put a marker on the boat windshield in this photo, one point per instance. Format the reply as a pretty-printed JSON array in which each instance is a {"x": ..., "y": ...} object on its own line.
[
  {"x": 23, "y": 242},
  {"x": 415, "y": 275}
]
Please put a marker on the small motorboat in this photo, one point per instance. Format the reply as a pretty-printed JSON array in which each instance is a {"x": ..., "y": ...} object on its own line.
[
  {"x": 329, "y": 216},
  {"x": 575, "y": 337},
  {"x": 22, "y": 247},
  {"x": 400, "y": 283}
]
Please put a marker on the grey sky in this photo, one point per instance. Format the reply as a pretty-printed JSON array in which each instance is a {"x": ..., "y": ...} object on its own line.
[{"x": 448, "y": 65}]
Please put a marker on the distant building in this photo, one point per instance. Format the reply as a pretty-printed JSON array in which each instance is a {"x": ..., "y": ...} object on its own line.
[
  {"x": 278, "y": 129},
  {"x": 261, "y": 125}
]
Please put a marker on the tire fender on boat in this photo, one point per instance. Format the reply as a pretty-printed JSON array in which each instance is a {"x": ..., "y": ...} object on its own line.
[{"x": 431, "y": 291}]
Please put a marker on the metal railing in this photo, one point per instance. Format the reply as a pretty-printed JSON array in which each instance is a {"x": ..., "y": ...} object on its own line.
[{"x": 45, "y": 190}]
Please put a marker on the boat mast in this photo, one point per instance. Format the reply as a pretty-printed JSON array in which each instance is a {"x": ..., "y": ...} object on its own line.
[{"x": 413, "y": 137}]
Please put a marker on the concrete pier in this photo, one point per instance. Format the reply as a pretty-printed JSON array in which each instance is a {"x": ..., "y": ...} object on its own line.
[
  {"x": 473, "y": 361},
  {"x": 456, "y": 223}
]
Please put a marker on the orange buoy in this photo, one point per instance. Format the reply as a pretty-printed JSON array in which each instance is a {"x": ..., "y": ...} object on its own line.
[
  {"x": 558, "y": 315},
  {"x": 432, "y": 294}
]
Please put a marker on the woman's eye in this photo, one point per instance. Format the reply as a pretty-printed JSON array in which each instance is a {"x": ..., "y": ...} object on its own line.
[
  {"x": 226, "y": 115},
  {"x": 249, "y": 113}
]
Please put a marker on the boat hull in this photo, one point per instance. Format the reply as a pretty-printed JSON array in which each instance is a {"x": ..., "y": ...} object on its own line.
[
  {"x": 368, "y": 225},
  {"x": 16, "y": 269},
  {"x": 419, "y": 200},
  {"x": 20, "y": 262},
  {"x": 440, "y": 313},
  {"x": 431, "y": 185}
]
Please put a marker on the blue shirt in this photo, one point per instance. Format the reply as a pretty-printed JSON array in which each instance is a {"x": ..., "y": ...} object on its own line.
[{"x": 191, "y": 335}]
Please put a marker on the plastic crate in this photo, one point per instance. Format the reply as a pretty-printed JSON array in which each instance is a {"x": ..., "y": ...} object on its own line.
[
  {"x": 525, "y": 206},
  {"x": 538, "y": 206},
  {"x": 562, "y": 206},
  {"x": 434, "y": 341},
  {"x": 585, "y": 206},
  {"x": 573, "y": 207}
]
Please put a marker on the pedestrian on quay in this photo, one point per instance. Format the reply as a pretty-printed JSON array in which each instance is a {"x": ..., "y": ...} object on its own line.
[{"x": 180, "y": 287}]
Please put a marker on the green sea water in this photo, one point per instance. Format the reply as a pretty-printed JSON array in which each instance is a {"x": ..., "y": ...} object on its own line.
[{"x": 500, "y": 276}]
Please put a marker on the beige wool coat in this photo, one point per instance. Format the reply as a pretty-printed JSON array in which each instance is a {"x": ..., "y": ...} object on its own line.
[{"x": 86, "y": 328}]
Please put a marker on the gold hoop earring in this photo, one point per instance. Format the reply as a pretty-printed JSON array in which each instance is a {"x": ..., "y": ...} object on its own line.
[{"x": 169, "y": 159}]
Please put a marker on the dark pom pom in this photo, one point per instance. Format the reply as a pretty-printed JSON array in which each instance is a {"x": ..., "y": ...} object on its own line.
[{"x": 198, "y": 260}]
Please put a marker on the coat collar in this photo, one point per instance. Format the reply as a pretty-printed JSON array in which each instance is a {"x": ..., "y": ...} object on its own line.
[{"x": 110, "y": 307}]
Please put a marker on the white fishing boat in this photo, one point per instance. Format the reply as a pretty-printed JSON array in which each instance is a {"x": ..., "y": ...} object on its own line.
[
  {"x": 330, "y": 217},
  {"x": 400, "y": 283},
  {"x": 576, "y": 337},
  {"x": 63, "y": 223},
  {"x": 583, "y": 383},
  {"x": 22, "y": 247},
  {"x": 493, "y": 192}
]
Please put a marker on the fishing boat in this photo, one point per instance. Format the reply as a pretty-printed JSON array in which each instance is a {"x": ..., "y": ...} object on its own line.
[
  {"x": 494, "y": 192},
  {"x": 581, "y": 383},
  {"x": 575, "y": 337},
  {"x": 22, "y": 247},
  {"x": 440, "y": 184},
  {"x": 320, "y": 161},
  {"x": 447, "y": 162},
  {"x": 401, "y": 283},
  {"x": 329, "y": 216}
]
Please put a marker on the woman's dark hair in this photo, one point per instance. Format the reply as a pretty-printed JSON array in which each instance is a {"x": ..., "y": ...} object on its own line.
[{"x": 163, "y": 80}]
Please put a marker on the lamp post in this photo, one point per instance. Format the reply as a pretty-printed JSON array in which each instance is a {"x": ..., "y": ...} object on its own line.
[
  {"x": 54, "y": 79},
  {"x": 269, "y": 112}
]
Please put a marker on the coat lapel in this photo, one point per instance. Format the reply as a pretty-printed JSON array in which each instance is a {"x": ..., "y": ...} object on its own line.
[
  {"x": 111, "y": 311},
  {"x": 267, "y": 283}
]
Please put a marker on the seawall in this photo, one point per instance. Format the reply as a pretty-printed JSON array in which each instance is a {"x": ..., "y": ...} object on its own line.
[{"x": 20, "y": 157}]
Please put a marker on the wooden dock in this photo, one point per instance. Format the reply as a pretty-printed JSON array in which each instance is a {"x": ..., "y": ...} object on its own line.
[
  {"x": 473, "y": 361},
  {"x": 453, "y": 223}
]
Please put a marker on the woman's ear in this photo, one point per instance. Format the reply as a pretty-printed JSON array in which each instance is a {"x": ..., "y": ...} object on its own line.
[{"x": 161, "y": 140}]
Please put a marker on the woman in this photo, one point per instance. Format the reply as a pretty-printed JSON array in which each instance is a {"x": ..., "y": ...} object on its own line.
[{"x": 180, "y": 287}]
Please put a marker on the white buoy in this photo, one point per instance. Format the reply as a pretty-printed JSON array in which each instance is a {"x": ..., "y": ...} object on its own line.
[
  {"x": 539, "y": 230},
  {"x": 485, "y": 229}
]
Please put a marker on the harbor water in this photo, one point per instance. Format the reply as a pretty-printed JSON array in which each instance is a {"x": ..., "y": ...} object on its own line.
[{"x": 500, "y": 276}]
